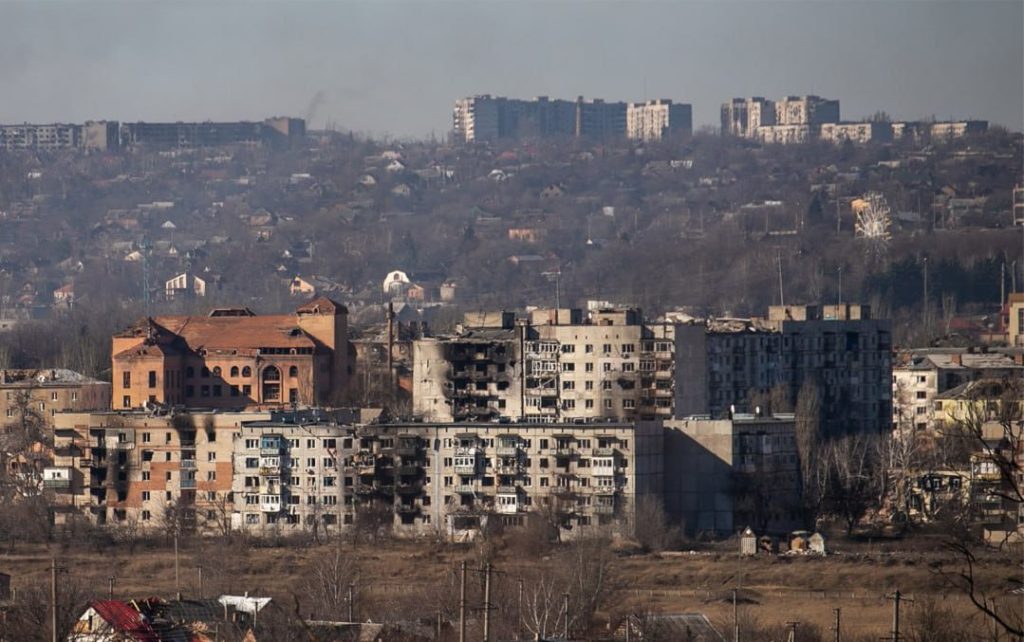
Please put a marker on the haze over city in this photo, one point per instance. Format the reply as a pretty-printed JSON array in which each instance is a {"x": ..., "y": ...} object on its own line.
[{"x": 392, "y": 68}]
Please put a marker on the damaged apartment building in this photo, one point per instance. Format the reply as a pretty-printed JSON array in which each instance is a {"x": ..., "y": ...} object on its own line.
[
  {"x": 555, "y": 365},
  {"x": 562, "y": 366}
]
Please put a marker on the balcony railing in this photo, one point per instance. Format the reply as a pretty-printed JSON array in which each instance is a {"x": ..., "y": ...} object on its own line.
[
  {"x": 188, "y": 464},
  {"x": 508, "y": 490},
  {"x": 565, "y": 452},
  {"x": 465, "y": 489},
  {"x": 603, "y": 452},
  {"x": 56, "y": 483},
  {"x": 507, "y": 451},
  {"x": 465, "y": 470},
  {"x": 602, "y": 509},
  {"x": 409, "y": 489},
  {"x": 270, "y": 452},
  {"x": 187, "y": 484}
]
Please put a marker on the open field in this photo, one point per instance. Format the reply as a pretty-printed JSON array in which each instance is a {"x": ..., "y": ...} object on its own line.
[{"x": 405, "y": 576}]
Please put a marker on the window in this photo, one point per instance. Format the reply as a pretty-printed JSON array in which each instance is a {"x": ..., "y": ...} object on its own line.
[
  {"x": 205, "y": 372},
  {"x": 145, "y": 437},
  {"x": 589, "y": 403},
  {"x": 211, "y": 475},
  {"x": 204, "y": 391},
  {"x": 271, "y": 384},
  {"x": 607, "y": 404},
  {"x": 589, "y": 385},
  {"x": 126, "y": 401},
  {"x": 293, "y": 371},
  {"x": 145, "y": 495},
  {"x": 234, "y": 371},
  {"x": 190, "y": 391},
  {"x": 216, "y": 371},
  {"x": 252, "y": 462},
  {"x": 588, "y": 348},
  {"x": 167, "y": 475},
  {"x": 126, "y": 379},
  {"x": 190, "y": 372},
  {"x": 247, "y": 390},
  {"x": 629, "y": 403},
  {"x": 216, "y": 390},
  {"x": 293, "y": 395},
  {"x": 246, "y": 371},
  {"x": 234, "y": 391},
  {"x": 628, "y": 367},
  {"x": 211, "y": 456},
  {"x": 589, "y": 367},
  {"x": 606, "y": 348},
  {"x": 152, "y": 378},
  {"x": 627, "y": 348},
  {"x": 145, "y": 475},
  {"x": 921, "y": 394},
  {"x": 53, "y": 396},
  {"x": 252, "y": 443},
  {"x": 146, "y": 515},
  {"x": 568, "y": 367},
  {"x": 606, "y": 385},
  {"x": 568, "y": 385}
]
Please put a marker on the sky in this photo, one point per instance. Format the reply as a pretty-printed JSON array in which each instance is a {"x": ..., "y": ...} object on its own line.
[{"x": 394, "y": 68}]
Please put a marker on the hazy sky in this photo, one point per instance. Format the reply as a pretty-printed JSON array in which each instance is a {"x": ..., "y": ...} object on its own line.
[{"x": 396, "y": 67}]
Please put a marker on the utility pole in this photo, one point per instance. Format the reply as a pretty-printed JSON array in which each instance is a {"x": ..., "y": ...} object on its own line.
[
  {"x": 519, "y": 614},
  {"x": 840, "y": 301},
  {"x": 177, "y": 583},
  {"x": 565, "y": 607},
  {"x": 896, "y": 598},
  {"x": 735, "y": 619},
  {"x": 351, "y": 603},
  {"x": 391, "y": 348},
  {"x": 835, "y": 627},
  {"x": 53, "y": 597},
  {"x": 782, "y": 298},
  {"x": 925, "y": 310},
  {"x": 110, "y": 587},
  {"x": 792, "y": 630},
  {"x": 487, "y": 602},
  {"x": 200, "y": 571},
  {"x": 462, "y": 603}
]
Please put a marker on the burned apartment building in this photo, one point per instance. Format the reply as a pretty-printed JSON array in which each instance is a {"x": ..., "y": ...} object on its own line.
[
  {"x": 555, "y": 365},
  {"x": 141, "y": 470},
  {"x": 39, "y": 394},
  {"x": 726, "y": 365},
  {"x": 234, "y": 359},
  {"x": 457, "y": 479}
]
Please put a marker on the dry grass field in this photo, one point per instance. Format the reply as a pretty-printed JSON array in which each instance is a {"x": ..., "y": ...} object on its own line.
[{"x": 408, "y": 575}]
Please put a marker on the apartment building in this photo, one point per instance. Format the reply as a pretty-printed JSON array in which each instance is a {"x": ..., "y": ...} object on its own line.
[
  {"x": 920, "y": 376},
  {"x": 42, "y": 138},
  {"x": 784, "y": 134},
  {"x": 657, "y": 119},
  {"x": 234, "y": 359},
  {"x": 272, "y": 131},
  {"x": 788, "y": 120},
  {"x": 1015, "y": 318},
  {"x": 143, "y": 470},
  {"x": 743, "y": 116},
  {"x": 956, "y": 129},
  {"x": 857, "y": 133},
  {"x": 727, "y": 474},
  {"x": 460, "y": 478},
  {"x": 722, "y": 364},
  {"x": 555, "y": 366},
  {"x": 288, "y": 476},
  {"x": 487, "y": 118},
  {"x": 42, "y": 394},
  {"x": 806, "y": 110}
]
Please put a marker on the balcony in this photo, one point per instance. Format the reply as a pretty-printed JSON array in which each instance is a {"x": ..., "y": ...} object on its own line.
[
  {"x": 187, "y": 484},
  {"x": 465, "y": 489},
  {"x": 188, "y": 464},
  {"x": 604, "y": 452},
  {"x": 508, "y": 490},
  {"x": 407, "y": 450},
  {"x": 409, "y": 489},
  {"x": 120, "y": 445},
  {"x": 364, "y": 489},
  {"x": 56, "y": 484},
  {"x": 270, "y": 452},
  {"x": 506, "y": 469},
  {"x": 465, "y": 470},
  {"x": 602, "y": 471},
  {"x": 605, "y": 491},
  {"x": 507, "y": 451},
  {"x": 603, "y": 509},
  {"x": 270, "y": 503},
  {"x": 565, "y": 452},
  {"x": 408, "y": 469},
  {"x": 405, "y": 509}
]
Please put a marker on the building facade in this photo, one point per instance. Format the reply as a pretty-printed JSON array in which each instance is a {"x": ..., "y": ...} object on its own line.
[
  {"x": 743, "y": 116},
  {"x": 234, "y": 359},
  {"x": 488, "y": 118},
  {"x": 857, "y": 133},
  {"x": 727, "y": 474},
  {"x": 44, "y": 393},
  {"x": 657, "y": 119},
  {"x": 140, "y": 471}
]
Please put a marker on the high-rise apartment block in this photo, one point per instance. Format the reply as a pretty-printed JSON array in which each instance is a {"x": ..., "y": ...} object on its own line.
[
  {"x": 793, "y": 119},
  {"x": 215, "y": 472},
  {"x": 234, "y": 359},
  {"x": 559, "y": 366},
  {"x": 742, "y": 116},
  {"x": 111, "y": 135},
  {"x": 656, "y": 119},
  {"x": 554, "y": 366},
  {"x": 487, "y": 118}
]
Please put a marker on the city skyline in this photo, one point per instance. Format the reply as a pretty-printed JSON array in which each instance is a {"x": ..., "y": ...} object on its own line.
[{"x": 356, "y": 65}]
